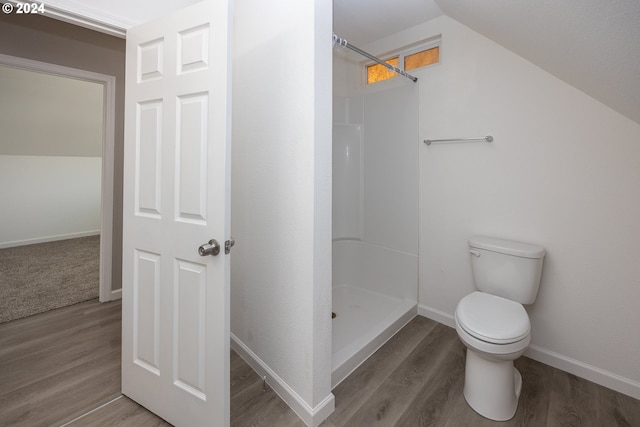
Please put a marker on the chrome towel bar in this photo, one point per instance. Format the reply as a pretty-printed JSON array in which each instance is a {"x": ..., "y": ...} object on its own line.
[{"x": 487, "y": 138}]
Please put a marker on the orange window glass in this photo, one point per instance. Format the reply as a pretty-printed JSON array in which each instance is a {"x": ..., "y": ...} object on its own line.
[
  {"x": 377, "y": 72},
  {"x": 421, "y": 59}
]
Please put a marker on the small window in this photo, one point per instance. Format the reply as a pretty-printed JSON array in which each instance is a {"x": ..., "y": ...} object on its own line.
[
  {"x": 422, "y": 59},
  {"x": 377, "y": 73}
]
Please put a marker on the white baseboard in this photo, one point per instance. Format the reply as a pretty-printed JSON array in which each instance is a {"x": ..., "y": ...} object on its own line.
[
  {"x": 437, "y": 315},
  {"x": 583, "y": 370},
  {"x": 117, "y": 294},
  {"x": 15, "y": 243},
  {"x": 312, "y": 417}
]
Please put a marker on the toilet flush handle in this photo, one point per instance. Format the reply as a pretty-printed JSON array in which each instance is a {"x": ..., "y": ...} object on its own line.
[{"x": 474, "y": 252}]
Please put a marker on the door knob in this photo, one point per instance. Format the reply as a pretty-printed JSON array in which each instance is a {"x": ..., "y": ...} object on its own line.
[{"x": 212, "y": 248}]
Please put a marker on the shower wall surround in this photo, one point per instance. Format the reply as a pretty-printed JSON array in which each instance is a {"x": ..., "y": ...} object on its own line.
[
  {"x": 375, "y": 222},
  {"x": 347, "y": 168},
  {"x": 375, "y": 168}
]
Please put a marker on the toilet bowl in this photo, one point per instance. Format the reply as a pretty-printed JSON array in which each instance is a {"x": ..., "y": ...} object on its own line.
[
  {"x": 495, "y": 331},
  {"x": 493, "y": 324}
]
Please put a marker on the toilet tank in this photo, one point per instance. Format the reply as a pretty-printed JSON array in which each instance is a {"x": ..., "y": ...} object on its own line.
[{"x": 506, "y": 268}]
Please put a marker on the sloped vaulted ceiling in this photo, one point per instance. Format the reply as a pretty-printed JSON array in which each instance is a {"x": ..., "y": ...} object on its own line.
[
  {"x": 594, "y": 45},
  {"x": 364, "y": 21}
]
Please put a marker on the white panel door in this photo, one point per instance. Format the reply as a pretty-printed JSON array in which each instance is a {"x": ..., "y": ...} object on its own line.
[{"x": 175, "y": 305}]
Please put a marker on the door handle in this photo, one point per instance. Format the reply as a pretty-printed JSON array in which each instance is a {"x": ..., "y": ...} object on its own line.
[{"x": 212, "y": 248}]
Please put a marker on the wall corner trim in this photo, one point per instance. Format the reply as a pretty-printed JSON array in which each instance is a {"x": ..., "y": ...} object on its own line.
[
  {"x": 573, "y": 366},
  {"x": 312, "y": 417}
]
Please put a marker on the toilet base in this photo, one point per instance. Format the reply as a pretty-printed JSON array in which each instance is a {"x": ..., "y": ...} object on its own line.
[{"x": 492, "y": 387}]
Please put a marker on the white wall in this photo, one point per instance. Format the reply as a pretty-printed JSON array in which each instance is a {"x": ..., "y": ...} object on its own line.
[
  {"x": 281, "y": 197},
  {"x": 48, "y": 198},
  {"x": 50, "y": 157},
  {"x": 47, "y": 115},
  {"x": 563, "y": 172}
]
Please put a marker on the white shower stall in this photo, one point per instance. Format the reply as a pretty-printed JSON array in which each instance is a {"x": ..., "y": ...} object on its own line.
[{"x": 375, "y": 221}]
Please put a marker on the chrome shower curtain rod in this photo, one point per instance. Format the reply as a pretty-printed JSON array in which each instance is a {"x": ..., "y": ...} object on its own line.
[{"x": 342, "y": 42}]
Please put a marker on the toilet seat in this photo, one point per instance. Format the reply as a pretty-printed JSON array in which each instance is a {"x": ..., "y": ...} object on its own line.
[{"x": 492, "y": 319}]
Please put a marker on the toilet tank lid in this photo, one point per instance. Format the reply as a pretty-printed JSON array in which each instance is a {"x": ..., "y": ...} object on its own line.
[{"x": 508, "y": 247}]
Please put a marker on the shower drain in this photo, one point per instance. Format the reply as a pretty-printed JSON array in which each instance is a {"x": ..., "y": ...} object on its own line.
[{"x": 333, "y": 315}]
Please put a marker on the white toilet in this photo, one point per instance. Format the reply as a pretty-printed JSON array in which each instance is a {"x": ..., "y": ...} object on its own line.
[{"x": 493, "y": 324}]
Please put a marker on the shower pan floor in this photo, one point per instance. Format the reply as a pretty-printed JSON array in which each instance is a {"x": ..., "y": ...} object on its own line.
[{"x": 364, "y": 321}]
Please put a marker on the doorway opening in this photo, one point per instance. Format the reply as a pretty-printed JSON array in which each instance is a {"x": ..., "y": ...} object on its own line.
[{"x": 97, "y": 167}]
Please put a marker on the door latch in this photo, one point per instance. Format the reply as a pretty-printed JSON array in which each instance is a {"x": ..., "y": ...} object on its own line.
[{"x": 228, "y": 244}]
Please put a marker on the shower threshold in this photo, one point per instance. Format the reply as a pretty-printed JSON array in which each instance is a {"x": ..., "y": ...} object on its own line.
[{"x": 365, "y": 321}]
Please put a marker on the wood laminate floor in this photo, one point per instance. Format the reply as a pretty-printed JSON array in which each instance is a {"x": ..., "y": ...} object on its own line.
[
  {"x": 55, "y": 365},
  {"x": 53, "y": 368}
]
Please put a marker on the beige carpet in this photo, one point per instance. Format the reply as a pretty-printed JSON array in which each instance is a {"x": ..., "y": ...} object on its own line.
[{"x": 41, "y": 277}]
